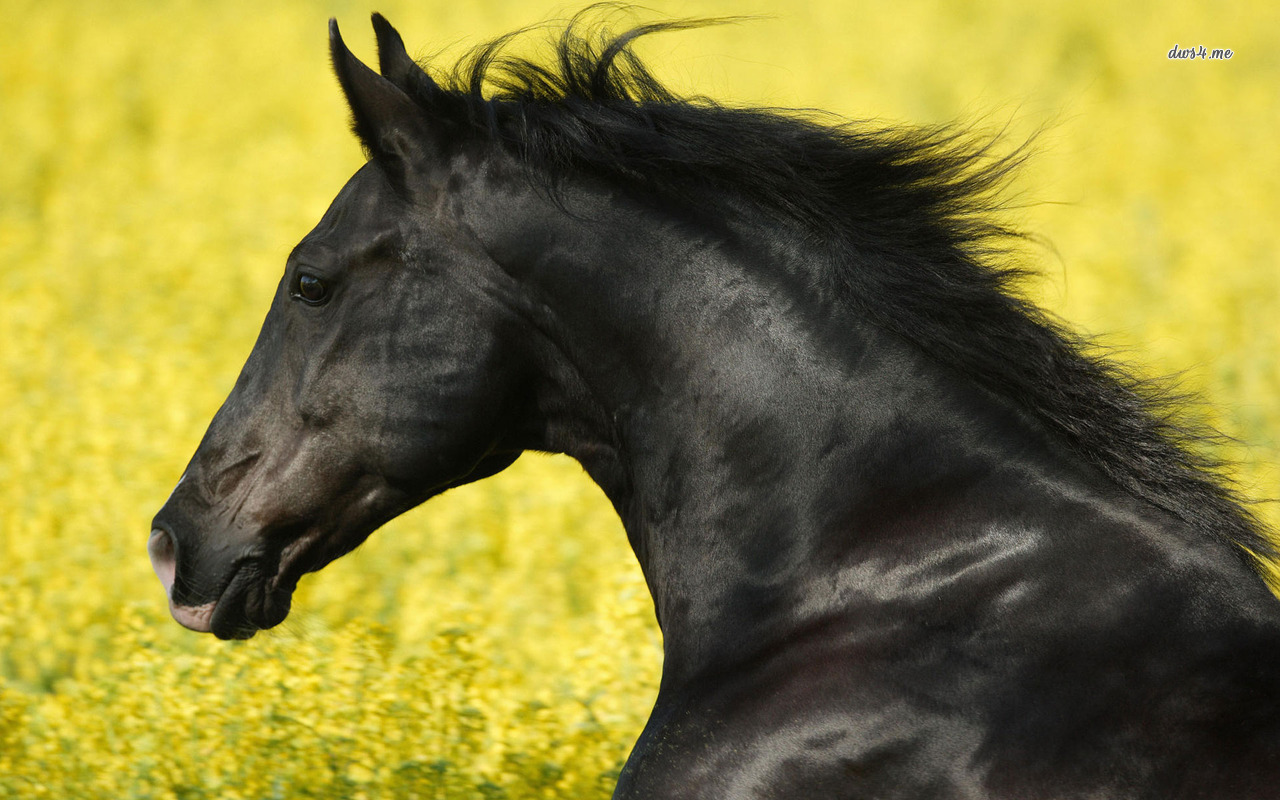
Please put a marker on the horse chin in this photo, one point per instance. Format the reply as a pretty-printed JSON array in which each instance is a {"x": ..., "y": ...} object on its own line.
[{"x": 250, "y": 602}]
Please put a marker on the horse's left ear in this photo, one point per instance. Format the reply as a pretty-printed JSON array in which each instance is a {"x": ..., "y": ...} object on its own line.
[{"x": 392, "y": 127}]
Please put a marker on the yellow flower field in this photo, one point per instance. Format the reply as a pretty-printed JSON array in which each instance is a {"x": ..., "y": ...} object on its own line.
[{"x": 159, "y": 159}]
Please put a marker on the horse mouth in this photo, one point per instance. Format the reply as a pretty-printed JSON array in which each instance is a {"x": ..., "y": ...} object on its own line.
[{"x": 255, "y": 595}]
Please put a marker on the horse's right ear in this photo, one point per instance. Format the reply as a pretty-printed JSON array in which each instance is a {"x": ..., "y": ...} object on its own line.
[
  {"x": 393, "y": 128},
  {"x": 397, "y": 66},
  {"x": 393, "y": 59}
]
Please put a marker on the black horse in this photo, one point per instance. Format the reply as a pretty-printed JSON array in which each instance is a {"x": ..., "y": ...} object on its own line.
[{"x": 906, "y": 537}]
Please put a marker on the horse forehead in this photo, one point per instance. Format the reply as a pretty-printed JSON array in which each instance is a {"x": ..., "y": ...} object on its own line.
[{"x": 366, "y": 210}]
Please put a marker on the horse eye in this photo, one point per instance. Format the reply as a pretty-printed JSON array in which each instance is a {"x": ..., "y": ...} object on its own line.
[{"x": 311, "y": 289}]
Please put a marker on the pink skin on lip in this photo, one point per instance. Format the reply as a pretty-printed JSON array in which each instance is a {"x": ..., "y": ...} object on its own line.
[{"x": 160, "y": 548}]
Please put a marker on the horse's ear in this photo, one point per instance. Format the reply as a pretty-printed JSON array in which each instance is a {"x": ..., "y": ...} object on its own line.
[
  {"x": 396, "y": 65},
  {"x": 393, "y": 60},
  {"x": 392, "y": 127}
]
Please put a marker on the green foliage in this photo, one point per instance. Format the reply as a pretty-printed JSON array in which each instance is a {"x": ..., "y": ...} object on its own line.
[{"x": 159, "y": 160}]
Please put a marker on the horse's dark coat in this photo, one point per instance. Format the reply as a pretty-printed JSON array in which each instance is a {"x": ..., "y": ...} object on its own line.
[{"x": 904, "y": 538}]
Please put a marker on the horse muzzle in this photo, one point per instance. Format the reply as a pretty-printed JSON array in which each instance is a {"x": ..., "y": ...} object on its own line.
[
  {"x": 165, "y": 563},
  {"x": 248, "y": 594}
]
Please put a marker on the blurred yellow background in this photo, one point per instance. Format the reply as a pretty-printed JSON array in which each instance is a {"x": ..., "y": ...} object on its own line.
[{"x": 159, "y": 159}]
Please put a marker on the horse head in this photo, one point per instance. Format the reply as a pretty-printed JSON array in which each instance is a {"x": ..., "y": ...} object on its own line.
[{"x": 344, "y": 416}]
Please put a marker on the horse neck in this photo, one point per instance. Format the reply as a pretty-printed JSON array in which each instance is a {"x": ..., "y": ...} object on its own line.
[
  {"x": 753, "y": 436},
  {"x": 781, "y": 465}
]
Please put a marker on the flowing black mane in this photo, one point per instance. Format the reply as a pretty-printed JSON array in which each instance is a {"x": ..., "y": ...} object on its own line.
[{"x": 909, "y": 218}]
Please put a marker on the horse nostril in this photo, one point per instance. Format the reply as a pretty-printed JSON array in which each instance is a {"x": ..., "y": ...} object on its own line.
[
  {"x": 230, "y": 476},
  {"x": 161, "y": 549}
]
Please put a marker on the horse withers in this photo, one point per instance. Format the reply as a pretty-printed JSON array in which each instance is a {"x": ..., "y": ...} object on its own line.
[{"x": 905, "y": 536}]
